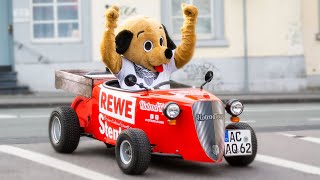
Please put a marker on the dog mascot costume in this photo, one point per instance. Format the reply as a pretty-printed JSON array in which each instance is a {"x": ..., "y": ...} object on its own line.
[{"x": 142, "y": 47}]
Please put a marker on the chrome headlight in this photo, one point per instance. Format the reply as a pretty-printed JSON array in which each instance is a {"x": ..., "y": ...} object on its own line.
[
  {"x": 171, "y": 110},
  {"x": 234, "y": 107}
]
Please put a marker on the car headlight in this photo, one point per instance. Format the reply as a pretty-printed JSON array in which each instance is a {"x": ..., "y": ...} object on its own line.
[
  {"x": 234, "y": 107},
  {"x": 171, "y": 110}
]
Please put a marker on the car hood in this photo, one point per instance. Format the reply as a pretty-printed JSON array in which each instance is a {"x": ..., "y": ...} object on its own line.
[{"x": 183, "y": 95}]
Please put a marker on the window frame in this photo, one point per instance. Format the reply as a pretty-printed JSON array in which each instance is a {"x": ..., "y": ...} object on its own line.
[
  {"x": 218, "y": 39},
  {"x": 56, "y": 39}
]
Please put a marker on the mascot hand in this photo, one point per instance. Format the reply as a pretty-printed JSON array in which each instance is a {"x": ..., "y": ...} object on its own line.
[
  {"x": 189, "y": 11},
  {"x": 112, "y": 15}
]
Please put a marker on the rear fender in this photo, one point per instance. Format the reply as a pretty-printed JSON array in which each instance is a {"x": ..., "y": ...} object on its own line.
[{"x": 81, "y": 106}]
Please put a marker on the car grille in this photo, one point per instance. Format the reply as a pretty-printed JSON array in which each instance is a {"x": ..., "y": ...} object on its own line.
[{"x": 209, "y": 119}]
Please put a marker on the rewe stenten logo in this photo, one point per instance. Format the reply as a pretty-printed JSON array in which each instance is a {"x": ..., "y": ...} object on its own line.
[{"x": 119, "y": 106}]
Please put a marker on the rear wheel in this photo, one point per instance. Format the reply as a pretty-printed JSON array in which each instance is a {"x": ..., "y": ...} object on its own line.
[
  {"x": 64, "y": 130},
  {"x": 247, "y": 159},
  {"x": 133, "y": 151}
]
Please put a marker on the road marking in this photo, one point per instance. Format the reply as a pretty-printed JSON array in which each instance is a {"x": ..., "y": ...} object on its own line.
[
  {"x": 34, "y": 116},
  {"x": 54, "y": 163},
  {"x": 282, "y": 109},
  {"x": 314, "y": 119},
  {"x": 7, "y": 116},
  {"x": 248, "y": 121},
  {"x": 288, "y": 164},
  {"x": 305, "y": 138},
  {"x": 244, "y": 121}
]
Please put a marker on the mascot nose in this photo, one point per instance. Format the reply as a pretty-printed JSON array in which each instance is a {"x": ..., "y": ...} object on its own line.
[{"x": 168, "y": 53}]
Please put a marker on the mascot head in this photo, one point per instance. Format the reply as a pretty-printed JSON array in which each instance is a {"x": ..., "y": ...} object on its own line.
[{"x": 145, "y": 42}]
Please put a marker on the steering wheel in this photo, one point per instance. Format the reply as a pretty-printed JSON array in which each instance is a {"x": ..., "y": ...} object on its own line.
[{"x": 163, "y": 83}]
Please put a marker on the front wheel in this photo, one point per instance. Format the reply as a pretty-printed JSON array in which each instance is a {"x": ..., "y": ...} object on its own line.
[
  {"x": 133, "y": 151},
  {"x": 245, "y": 159},
  {"x": 64, "y": 130}
]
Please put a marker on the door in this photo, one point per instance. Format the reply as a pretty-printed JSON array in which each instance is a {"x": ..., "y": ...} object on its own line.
[{"x": 6, "y": 39}]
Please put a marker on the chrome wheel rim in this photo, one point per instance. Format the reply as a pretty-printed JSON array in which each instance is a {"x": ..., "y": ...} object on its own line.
[
  {"x": 125, "y": 152},
  {"x": 56, "y": 130}
]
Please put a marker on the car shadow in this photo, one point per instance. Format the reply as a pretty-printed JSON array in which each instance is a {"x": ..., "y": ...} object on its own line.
[
  {"x": 162, "y": 166},
  {"x": 190, "y": 168}
]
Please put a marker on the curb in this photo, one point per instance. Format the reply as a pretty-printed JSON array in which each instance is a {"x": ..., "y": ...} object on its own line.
[
  {"x": 35, "y": 105},
  {"x": 274, "y": 101}
]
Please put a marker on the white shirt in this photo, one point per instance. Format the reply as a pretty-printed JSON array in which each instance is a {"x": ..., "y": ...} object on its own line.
[{"x": 145, "y": 76}]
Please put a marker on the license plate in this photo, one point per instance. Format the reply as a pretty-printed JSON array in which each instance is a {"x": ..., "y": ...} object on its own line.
[{"x": 237, "y": 142}]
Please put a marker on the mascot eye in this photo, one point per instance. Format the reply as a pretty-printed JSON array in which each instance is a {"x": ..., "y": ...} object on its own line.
[
  {"x": 148, "y": 46},
  {"x": 161, "y": 41}
]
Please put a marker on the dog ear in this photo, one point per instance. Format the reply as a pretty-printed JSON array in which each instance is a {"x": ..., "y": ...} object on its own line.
[
  {"x": 170, "y": 43},
  {"x": 123, "y": 40}
]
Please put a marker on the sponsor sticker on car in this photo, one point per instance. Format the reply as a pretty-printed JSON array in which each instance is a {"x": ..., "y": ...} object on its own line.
[
  {"x": 117, "y": 105},
  {"x": 237, "y": 142}
]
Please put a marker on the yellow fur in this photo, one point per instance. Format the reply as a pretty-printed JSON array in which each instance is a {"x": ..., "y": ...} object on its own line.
[
  {"x": 108, "y": 47},
  {"x": 153, "y": 31},
  {"x": 184, "y": 51}
]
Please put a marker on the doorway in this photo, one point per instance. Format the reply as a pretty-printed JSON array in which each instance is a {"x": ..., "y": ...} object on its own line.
[{"x": 6, "y": 38}]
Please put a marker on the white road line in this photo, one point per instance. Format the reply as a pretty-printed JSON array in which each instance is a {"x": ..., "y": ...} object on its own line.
[
  {"x": 305, "y": 138},
  {"x": 288, "y": 135},
  {"x": 248, "y": 121},
  {"x": 7, "y": 116},
  {"x": 244, "y": 121},
  {"x": 280, "y": 109},
  {"x": 314, "y": 119},
  {"x": 34, "y": 116},
  {"x": 288, "y": 164},
  {"x": 54, "y": 163}
]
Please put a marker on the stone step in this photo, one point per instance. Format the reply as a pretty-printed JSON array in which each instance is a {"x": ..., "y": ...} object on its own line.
[
  {"x": 14, "y": 89},
  {"x": 8, "y": 76},
  {"x": 8, "y": 83},
  {"x": 5, "y": 68}
]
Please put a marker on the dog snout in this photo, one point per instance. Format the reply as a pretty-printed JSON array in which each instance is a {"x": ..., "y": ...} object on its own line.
[{"x": 168, "y": 53}]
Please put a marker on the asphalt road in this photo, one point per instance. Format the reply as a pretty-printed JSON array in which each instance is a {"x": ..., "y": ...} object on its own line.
[{"x": 288, "y": 147}]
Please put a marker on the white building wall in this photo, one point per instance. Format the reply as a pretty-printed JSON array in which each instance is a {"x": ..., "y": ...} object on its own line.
[
  {"x": 276, "y": 46},
  {"x": 311, "y": 29}
]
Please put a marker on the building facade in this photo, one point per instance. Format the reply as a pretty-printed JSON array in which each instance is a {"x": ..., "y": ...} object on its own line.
[{"x": 250, "y": 45}]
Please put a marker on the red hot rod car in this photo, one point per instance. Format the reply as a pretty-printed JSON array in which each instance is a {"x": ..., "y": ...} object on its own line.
[{"x": 182, "y": 121}]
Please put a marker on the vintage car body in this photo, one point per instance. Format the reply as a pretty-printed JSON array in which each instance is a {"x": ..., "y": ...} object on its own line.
[
  {"x": 110, "y": 111},
  {"x": 104, "y": 111}
]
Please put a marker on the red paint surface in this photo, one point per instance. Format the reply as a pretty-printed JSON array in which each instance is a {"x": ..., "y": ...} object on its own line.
[{"x": 178, "y": 139}]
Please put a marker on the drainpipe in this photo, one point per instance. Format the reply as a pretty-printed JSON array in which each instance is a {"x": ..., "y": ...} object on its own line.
[
  {"x": 245, "y": 48},
  {"x": 318, "y": 34},
  {"x": 319, "y": 19}
]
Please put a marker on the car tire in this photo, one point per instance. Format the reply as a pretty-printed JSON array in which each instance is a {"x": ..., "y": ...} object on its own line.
[
  {"x": 64, "y": 129},
  {"x": 247, "y": 159},
  {"x": 133, "y": 152}
]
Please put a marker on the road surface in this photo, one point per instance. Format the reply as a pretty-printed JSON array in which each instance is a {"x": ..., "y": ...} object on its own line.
[{"x": 288, "y": 147}]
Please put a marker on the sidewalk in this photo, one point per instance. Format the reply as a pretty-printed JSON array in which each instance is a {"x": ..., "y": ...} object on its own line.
[{"x": 65, "y": 99}]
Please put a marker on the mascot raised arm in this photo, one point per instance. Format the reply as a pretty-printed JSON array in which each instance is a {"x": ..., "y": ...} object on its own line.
[{"x": 142, "y": 47}]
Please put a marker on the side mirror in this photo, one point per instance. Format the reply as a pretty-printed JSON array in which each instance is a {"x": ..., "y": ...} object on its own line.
[
  {"x": 130, "y": 80},
  {"x": 209, "y": 76}
]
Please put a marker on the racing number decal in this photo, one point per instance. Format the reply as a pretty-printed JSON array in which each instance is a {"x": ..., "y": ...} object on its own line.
[{"x": 238, "y": 142}]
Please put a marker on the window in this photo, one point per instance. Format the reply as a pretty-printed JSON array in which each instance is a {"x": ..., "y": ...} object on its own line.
[
  {"x": 55, "y": 20},
  {"x": 210, "y": 25}
]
